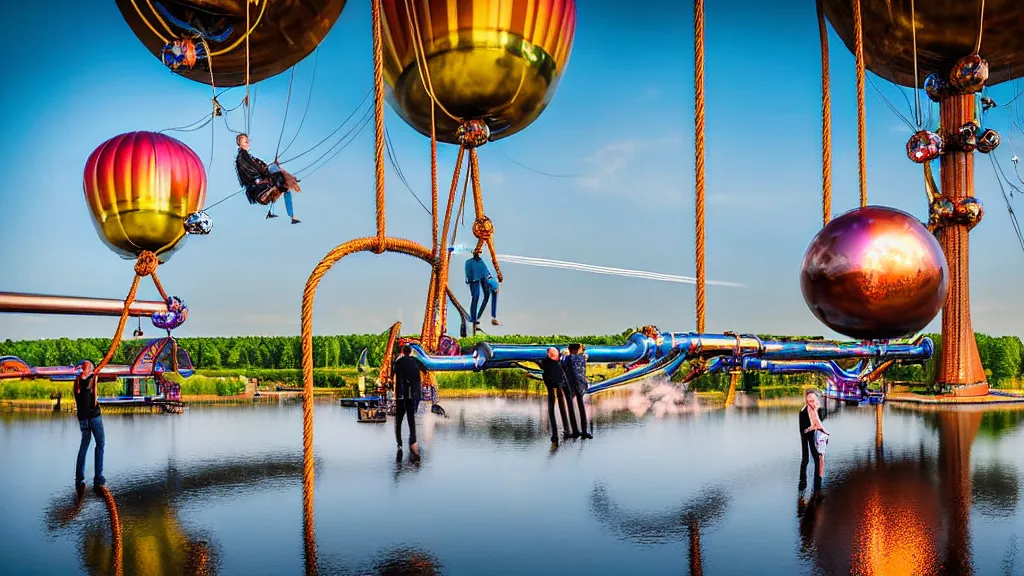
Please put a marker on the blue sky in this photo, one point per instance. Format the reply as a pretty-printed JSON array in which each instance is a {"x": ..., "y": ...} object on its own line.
[{"x": 622, "y": 118}]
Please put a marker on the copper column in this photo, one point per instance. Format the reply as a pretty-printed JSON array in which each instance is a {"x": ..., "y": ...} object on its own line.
[
  {"x": 959, "y": 364},
  {"x": 14, "y": 302}
]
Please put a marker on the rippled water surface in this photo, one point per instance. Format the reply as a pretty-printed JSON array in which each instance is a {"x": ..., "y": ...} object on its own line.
[{"x": 676, "y": 491}]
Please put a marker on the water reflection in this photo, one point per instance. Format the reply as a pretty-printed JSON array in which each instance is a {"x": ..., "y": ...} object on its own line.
[
  {"x": 908, "y": 513},
  {"x": 648, "y": 528},
  {"x": 153, "y": 540}
]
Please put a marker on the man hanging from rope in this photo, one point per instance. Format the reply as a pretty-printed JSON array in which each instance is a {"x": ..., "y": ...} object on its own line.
[{"x": 263, "y": 184}]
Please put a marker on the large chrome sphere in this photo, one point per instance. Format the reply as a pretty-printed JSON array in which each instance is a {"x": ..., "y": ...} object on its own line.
[{"x": 875, "y": 273}]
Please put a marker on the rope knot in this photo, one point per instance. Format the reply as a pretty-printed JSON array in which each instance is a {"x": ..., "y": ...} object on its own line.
[
  {"x": 146, "y": 263},
  {"x": 483, "y": 228}
]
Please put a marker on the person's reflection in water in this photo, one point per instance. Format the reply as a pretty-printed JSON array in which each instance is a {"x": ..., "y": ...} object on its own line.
[
  {"x": 807, "y": 512},
  {"x": 406, "y": 562},
  {"x": 412, "y": 464}
]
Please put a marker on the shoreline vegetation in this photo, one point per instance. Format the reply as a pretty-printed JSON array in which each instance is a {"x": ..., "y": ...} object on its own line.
[{"x": 225, "y": 368}]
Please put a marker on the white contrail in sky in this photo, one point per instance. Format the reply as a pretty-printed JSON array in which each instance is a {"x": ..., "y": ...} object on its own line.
[{"x": 549, "y": 263}]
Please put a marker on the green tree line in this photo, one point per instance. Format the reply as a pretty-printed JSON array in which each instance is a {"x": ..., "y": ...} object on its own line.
[{"x": 1003, "y": 356}]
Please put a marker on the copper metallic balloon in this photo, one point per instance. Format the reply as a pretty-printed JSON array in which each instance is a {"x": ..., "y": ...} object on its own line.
[
  {"x": 966, "y": 137},
  {"x": 494, "y": 60},
  {"x": 874, "y": 273},
  {"x": 969, "y": 212},
  {"x": 925, "y": 146},
  {"x": 946, "y": 32},
  {"x": 969, "y": 74},
  {"x": 280, "y": 34},
  {"x": 140, "y": 187},
  {"x": 988, "y": 141}
]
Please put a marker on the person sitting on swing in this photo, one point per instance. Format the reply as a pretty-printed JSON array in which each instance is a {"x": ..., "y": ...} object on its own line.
[{"x": 263, "y": 184}]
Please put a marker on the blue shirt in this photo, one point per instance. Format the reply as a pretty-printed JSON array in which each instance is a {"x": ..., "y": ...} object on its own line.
[{"x": 476, "y": 270}]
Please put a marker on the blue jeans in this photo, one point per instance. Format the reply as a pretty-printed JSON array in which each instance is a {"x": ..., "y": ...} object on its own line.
[
  {"x": 474, "y": 291},
  {"x": 493, "y": 296},
  {"x": 288, "y": 204},
  {"x": 91, "y": 427}
]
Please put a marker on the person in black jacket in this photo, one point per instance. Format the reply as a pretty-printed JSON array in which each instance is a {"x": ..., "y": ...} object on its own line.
[
  {"x": 810, "y": 421},
  {"x": 264, "y": 184},
  {"x": 554, "y": 380},
  {"x": 407, "y": 395},
  {"x": 87, "y": 408}
]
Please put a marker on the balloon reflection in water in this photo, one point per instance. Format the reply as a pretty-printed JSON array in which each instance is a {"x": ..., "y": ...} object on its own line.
[
  {"x": 698, "y": 514},
  {"x": 906, "y": 513},
  {"x": 154, "y": 540}
]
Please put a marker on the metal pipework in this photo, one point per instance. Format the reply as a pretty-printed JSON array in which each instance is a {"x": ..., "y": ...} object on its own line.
[{"x": 15, "y": 302}]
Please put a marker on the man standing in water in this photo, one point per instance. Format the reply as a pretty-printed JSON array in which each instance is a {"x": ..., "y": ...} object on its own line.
[
  {"x": 87, "y": 408},
  {"x": 575, "y": 367},
  {"x": 809, "y": 422},
  {"x": 476, "y": 275},
  {"x": 407, "y": 395},
  {"x": 554, "y": 380}
]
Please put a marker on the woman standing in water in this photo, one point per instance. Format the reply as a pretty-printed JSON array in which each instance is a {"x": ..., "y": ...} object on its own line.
[{"x": 810, "y": 427}]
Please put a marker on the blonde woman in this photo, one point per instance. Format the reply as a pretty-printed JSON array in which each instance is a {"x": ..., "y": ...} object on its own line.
[{"x": 813, "y": 440}]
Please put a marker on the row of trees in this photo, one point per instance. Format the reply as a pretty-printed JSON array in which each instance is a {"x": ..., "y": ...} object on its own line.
[{"x": 1003, "y": 357}]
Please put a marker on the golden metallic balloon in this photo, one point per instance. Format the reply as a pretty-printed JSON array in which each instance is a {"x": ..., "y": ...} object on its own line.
[
  {"x": 189, "y": 35},
  {"x": 494, "y": 60},
  {"x": 875, "y": 273},
  {"x": 946, "y": 32},
  {"x": 140, "y": 187}
]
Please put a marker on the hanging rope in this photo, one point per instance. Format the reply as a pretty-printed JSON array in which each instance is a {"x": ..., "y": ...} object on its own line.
[
  {"x": 309, "y": 98},
  {"x": 336, "y": 130},
  {"x": 378, "y": 117},
  {"x": 433, "y": 178},
  {"x": 826, "y": 119},
  {"x": 337, "y": 147},
  {"x": 248, "y": 102},
  {"x": 698, "y": 89},
  {"x": 145, "y": 265},
  {"x": 284, "y": 121},
  {"x": 460, "y": 213},
  {"x": 862, "y": 121},
  {"x": 981, "y": 28},
  {"x": 918, "y": 113},
  {"x": 421, "y": 59}
]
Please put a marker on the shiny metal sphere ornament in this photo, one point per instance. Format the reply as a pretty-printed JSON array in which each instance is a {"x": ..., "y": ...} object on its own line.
[
  {"x": 177, "y": 313},
  {"x": 936, "y": 87},
  {"x": 140, "y": 186},
  {"x": 925, "y": 146},
  {"x": 988, "y": 141},
  {"x": 969, "y": 212},
  {"x": 473, "y": 133},
  {"x": 199, "y": 223},
  {"x": 448, "y": 346},
  {"x": 248, "y": 40},
  {"x": 966, "y": 138},
  {"x": 180, "y": 54},
  {"x": 969, "y": 74},
  {"x": 499, "y": 62},
  {"x": 874, "y": 273}
]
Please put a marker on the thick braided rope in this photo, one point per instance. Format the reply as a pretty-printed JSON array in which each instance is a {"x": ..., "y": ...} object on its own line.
[
  {"x": 433, "y": 177},
  {"x": 115, "y": 531},
  {"x": 826, "y": 119},
  {"x": 389, "y": 352},
  {"x": 427, "y": 336},
  {"x": 862, "y": 120},
  {"x": 444, "y": 259},
  {"x": 378, "y": 118},
  {"x": 698, "y": 89},
  {"x": 145, "y": 265},
  {"x": 366, "y": 244},
  {"x": 478, "y": 204},
  {"x": 730, "y": 398}
]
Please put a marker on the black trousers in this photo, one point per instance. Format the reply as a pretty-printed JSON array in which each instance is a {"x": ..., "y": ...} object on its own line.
[
  {"x": 809, "y": 449},
  {"x": 406, "y": 407},
  {"x": 553, "y": 392},
  {"x": 582, "y": 409}
]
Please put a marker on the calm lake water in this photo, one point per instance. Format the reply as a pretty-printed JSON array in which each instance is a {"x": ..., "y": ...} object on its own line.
[{"x": 678, "y": 490}]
